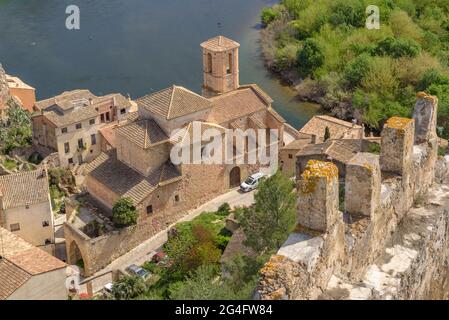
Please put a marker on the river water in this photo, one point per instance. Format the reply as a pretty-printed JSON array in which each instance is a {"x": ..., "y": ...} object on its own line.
[{"x": 133, "y": 46}]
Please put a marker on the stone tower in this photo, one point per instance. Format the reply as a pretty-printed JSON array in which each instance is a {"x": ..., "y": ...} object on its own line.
[{"x": 220, "y": 66}]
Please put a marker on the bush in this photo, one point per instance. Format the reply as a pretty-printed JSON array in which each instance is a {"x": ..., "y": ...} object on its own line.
[
  {"x": 310, "y": 57},
  {"x": 268, "y": 15},
  {"x": 124, "y": 213},
  {"x": 357, "y": 69},
  {"x": 129, "y": 287},
  {"x": 397, "y": 48},
  {"x": 224, "y": 209}
]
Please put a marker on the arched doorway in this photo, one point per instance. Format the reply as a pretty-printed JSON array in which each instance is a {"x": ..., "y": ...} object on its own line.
[
  {"x": 234, "y": 177},
  {"x": 75, "y": 257}
]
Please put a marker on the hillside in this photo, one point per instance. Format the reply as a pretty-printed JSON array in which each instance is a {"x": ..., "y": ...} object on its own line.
[{"x": 323, "y": 48}]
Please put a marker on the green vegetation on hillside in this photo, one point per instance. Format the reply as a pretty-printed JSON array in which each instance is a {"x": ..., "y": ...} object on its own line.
[
  {"x": 356, "y": 72},
  {"x": 15, "y": 130}
]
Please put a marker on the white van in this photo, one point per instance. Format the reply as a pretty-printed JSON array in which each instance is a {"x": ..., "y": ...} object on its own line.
[{"x": 252, "y": 182}]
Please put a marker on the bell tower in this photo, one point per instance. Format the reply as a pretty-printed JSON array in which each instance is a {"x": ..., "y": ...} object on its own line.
[{"x": 220, "y": 66}]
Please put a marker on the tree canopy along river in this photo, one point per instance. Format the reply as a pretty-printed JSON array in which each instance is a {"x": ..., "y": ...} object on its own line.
[{"x": 133, "y": 46}]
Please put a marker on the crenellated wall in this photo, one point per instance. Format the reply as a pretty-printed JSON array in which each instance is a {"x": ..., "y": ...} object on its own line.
[{"x": 392, "y": 234}]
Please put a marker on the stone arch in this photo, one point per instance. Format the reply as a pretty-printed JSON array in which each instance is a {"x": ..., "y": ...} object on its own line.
[
  {"x": 75, "y": 257},
  {"x": 234, "y": 177}
]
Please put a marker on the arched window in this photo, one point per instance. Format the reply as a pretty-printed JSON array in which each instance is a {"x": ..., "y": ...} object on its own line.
[
  {"x": 229, "y": 69},
  {"x": 209, "y": 62}
]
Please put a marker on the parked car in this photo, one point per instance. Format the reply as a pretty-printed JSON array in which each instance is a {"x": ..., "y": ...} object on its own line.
[
  {"x": 252, "y": 182},
  {"x": 159, "y": 257},
  {"x": 138, "y": 271}
]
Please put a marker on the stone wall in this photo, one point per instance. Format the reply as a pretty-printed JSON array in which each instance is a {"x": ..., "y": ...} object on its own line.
[
  {"x": 4, "y": 89},
  {"x": 385, "y": 248}
]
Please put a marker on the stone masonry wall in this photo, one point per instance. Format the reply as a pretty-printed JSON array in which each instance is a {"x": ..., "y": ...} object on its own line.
[{"x": 385, "y": 248}]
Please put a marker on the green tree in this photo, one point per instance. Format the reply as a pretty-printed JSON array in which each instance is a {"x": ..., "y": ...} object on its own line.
[
  {"x": 268, "y": 15},
  {"x": 310, "y": 57},
  {"x": 124, "y": 213},
  {"x": 327, "y": 134},
  {"x": 16, "y": 131},
  {"x": 205, "y": 284},
  {"x": 273, "y": 217},
  {"x": 128, "y": 287}
]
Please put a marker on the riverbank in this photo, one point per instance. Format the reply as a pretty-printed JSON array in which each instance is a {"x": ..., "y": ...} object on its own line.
[{"x": 328, "y": 56}]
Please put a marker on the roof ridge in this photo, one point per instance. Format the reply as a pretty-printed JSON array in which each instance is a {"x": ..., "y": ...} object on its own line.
[{"x": 171, "y": 101}]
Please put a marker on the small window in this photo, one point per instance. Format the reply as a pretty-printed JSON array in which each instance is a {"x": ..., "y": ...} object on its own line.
[
  {"x": 290, "y": 156},
  {"x": 45, "y": 224},
  {"x": 80, "y": 143},
  {"x": 64, "y": 130},
  {"x": 78, "y": 126},
  {"x": 71, "y": 161},
  {"x": 150, "y": 209},
  {"x": 47, "y": 242},
  {"x": 27, "y": 207},
  {"x": 93, "y": 139},
  {"x": 14, "y": 227},
  {"x": 102, "y": 118},
  {"x": 122, "y": 111},
  {"x": 92, "y": 121},
  {"x": 108, "y": 118},
  {"x": 177, "y": 198},
  {"x": 66, "y": 147}
]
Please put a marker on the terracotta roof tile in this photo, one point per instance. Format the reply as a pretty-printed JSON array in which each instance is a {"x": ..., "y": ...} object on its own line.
[
  {"x": 125, "y": 181},
  {"x": 173, "y": 102},
  {"x": 338, "y": 128},
  {"x": 342, "y": 150},
  {"x": 220, "y": 43},
  {"x": 11, "y": 278},
  {"x": 24, "y": 188},
  {"x": 236, "y": 104},
  {"x": 144, "y": 133},
  {"x": 36, "y": 261}
]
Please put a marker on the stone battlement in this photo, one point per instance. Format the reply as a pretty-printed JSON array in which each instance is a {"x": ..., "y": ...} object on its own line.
[{"x": 379, "y": 194}]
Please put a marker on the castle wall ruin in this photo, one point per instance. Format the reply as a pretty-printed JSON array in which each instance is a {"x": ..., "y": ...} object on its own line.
[{"x": 391, "y": 241}]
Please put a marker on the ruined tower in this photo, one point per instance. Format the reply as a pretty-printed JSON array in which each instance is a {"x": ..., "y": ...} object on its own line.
[{"x": 220, "y": 66}]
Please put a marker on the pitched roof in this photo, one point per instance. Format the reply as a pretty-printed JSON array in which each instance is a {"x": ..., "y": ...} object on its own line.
[
  {"x": 317, "y": 126},
  {"x": 173, "y": 102},
  {"x": 144, "y": 133},
  {"x": 65, "y": 99},
  {"x": 220, "y": 43},
  {"x": 20, "y": 261},
  {"x": 236, "y": 104},
  {"x": 36, "y": 261},
  {"x": 297, "y": 144},
  {"x": 189, "y": 130},
  {"x": 11, "y": 278},
  {"x": 342, "y": 150},
  {"x": 127, "y": 182},
  {"x": 24, "y": 188}
]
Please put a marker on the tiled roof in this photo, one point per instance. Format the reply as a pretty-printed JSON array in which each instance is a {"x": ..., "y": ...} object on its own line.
[
  {"x": 220, "y": 43},
  {"x": 11, "y": 278},
  {"x": 64, "y": 100},
  {"x": 125, "y": 181},
  {"x": 144, "y": 133},
  {"x": 108, "y": 134},
  {"x": 297, "y": 144},
  {"x": 20, "y": 261},
  {"x": 341, "y": 150},
  {"x": 317, "y": 126},
  {"x": 236, "y": 104},
  {"x": 24, "y": 188},
  {"x": 173, "y": 102},
  {"x": 188, "y": 131},
  {"x": 36, "y": 261},
  {"x": 77, "y": 105}
]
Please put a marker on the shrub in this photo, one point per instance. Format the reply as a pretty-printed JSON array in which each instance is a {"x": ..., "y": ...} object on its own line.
[
  {"x": 129, "y": 287},
  {"x": 310, "y": 57},
  {"x": 124, "y": 213},
  {"x": 224, "y": 209},
  {"x": 268, "y": 15},
  {"x": 397, "y": 48},
  {"x": 357, "y": 69}
]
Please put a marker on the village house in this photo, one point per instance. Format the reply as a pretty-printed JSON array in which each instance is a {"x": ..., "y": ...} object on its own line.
[
  {"x": 24, "y": 93},
  {"x": 25, "y": 208},
  {"x": 29, "y": 273},
  {"x": 13, "y": 87},
  {"x": 314, "y": 133},
  {"x": 140, "y": 167},
  {"x": 70, "y": 122}
]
